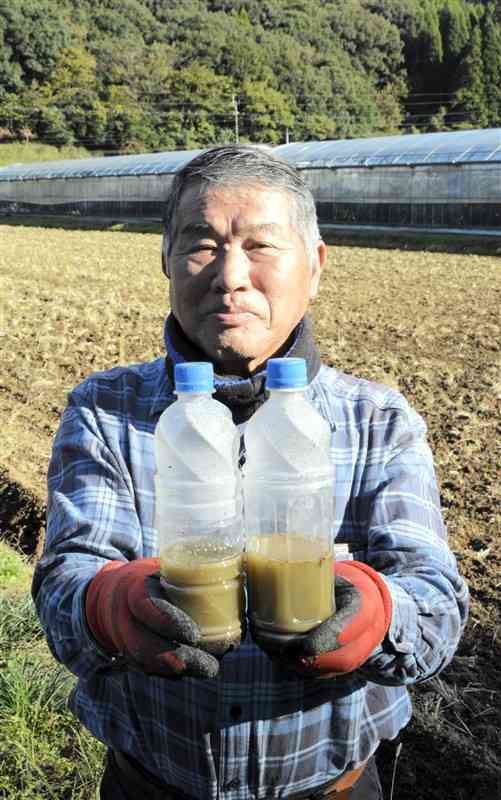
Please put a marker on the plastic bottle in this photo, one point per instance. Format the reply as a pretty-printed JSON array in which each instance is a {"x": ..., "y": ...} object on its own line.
[
  {"x": 288, "y": 500},
  {"x": 198, "y": 508}
]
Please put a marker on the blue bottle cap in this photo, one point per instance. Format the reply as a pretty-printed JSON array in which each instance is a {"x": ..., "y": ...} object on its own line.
[
  {"x": 286, "y": 373},
  {"x": 194, "y": 376}
]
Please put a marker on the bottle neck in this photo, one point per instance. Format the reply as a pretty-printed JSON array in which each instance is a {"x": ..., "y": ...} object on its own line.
[
  {"x": 286, "y": 395},
  {"x": 188, "y": 397}
]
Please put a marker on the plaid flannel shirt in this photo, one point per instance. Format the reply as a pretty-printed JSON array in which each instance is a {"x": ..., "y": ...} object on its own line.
[{"x": 253, "y": 732}]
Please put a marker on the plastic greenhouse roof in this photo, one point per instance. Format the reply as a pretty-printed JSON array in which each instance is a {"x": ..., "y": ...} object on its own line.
[
  {"x": 150, "y": 164},
  {"x": 456, "y": 147}
]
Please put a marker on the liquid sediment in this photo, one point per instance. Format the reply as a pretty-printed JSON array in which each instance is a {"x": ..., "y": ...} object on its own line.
[
  {"x": 290, "y": 582},
  {"x": 206, "y": 580}
]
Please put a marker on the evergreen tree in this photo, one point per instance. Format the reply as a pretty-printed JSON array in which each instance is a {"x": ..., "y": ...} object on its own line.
[
  {"x": 471, "y": 98},
  {"x": 455, "y": 26},
  {"x": 34, "y": 31},
  {"x": 74, "y": 92},
  {"x": 492, "y": 65},
  {"x": 265, "y": 113}
]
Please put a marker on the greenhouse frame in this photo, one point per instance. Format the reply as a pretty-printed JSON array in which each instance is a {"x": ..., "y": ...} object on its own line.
[
  {"x": 118, "y": 187},
  {"x": 448, "y": 180}
]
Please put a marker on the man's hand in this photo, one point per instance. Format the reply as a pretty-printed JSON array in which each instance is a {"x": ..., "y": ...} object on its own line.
[
  {"x": 345, "y": 640},
  {"x": 129, "y": 615}
]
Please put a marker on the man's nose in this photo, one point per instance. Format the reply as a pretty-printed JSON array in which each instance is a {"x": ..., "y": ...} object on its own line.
[{"x": 232, "y": 273}]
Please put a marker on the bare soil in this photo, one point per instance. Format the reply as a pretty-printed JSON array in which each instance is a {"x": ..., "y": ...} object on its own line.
[{"x": 76, "y": 301}]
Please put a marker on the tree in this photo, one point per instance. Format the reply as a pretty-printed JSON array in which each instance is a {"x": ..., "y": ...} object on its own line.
[
  {"x": 492, "y": 65},
  {"x": 372, "y": 42},
  {"x": 14, "y": 115},
  {"x": 265, "y": 113},
  {"x": 196, "y": 109},
  {"x": 53, "y": 127},
  {"x": 10, "y": 70},
  {"x": 128, "y": 127},
  {"x": 74, "y": 93},
  {"x": 123, "y": 19},
  {"x": 455, "y": 26},
  {"x": 471, "y": 98},
  {"x": 34, "y": 31}
]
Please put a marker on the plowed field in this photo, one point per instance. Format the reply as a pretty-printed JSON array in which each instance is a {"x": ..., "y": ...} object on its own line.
[{"x": 76, "y": 301}]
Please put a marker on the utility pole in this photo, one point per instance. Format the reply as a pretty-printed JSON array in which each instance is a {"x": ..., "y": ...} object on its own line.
[
  {"x": 286, "y": 136},
  {"x": 235, "y": 109}
]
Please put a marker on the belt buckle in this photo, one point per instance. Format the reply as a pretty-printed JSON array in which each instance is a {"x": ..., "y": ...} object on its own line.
[
  {"x": 325, "y": 791},
  {"x": 344, "y": 782},
  {"x": 318, "y": 793}
]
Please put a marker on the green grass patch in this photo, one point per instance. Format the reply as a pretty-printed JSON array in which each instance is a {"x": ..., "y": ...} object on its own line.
[
  {"x": 19, "y": 625},
  {"x": 25, "y": 153},
  {"x": 15, "y": 572},
  {"x": 45, "y": 752}
]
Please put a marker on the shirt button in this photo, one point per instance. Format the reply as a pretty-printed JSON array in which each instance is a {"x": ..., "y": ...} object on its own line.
[
  {"x": 235, "y": 712},
  {"x": 233, "y": 784}
]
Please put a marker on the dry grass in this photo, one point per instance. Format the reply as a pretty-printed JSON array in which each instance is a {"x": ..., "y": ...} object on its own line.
[
  {"x": 76, "y": 301},
  {"x": 72, "y": 302}
]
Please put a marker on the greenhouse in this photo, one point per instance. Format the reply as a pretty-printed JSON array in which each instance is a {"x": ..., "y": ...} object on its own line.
[
  {"x": 118, "y": 187},
  {"x": 447, "y": 180},
  {"x": 422, "y": 181}
]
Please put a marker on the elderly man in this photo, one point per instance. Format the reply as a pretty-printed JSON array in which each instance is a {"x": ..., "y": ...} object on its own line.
[{"x": 244, "y": 256}]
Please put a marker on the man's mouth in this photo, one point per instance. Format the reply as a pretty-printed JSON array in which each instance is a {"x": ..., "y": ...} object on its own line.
[{"x": 234, "y": 318}]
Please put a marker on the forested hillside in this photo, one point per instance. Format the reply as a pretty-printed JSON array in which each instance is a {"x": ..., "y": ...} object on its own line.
[{"x": 136, "y": 75}]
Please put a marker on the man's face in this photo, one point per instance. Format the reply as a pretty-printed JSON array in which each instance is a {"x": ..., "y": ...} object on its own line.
[{"x": 240, "y": 278}]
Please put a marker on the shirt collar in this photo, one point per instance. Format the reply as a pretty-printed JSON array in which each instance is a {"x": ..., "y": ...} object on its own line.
[
  {"x": 163, "y": 390},
  {"x": 230, "y": 389}
]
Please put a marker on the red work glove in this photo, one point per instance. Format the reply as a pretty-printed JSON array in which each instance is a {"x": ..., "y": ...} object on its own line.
[
  {"x": 129, "y": 615},
  {"x": 346, "y": 639}
]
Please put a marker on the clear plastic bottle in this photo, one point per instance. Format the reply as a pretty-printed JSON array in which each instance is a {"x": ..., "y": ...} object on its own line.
[
  {"x": 198, "y": 508},
  {"x": 288, "y": 500}
]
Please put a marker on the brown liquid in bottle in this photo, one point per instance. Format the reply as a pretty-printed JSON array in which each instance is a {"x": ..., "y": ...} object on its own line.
[
  {"x": 206, "y": 580},
  {"x": 290, "y": 582}
]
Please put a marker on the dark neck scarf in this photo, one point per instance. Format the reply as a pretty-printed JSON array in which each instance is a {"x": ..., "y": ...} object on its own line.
[{"x": 242, "y": 396}]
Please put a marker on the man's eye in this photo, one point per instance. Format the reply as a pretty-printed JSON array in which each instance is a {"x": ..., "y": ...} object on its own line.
[
  {"x": 262, "y": 246},
  {"x": 197, "y": 248}
]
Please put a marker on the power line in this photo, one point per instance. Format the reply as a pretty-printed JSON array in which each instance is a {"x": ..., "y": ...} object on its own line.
[
  {"x": 231, "y": 101},
  {"x": 248, "y": 115},
  {"x": 429, "y": 103},
  {"x": 430, "y": 94},
  {"x": 192, "y": 111}
]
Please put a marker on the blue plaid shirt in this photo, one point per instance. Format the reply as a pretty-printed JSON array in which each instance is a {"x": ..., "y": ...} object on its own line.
[{"x": 254, "y": 732}]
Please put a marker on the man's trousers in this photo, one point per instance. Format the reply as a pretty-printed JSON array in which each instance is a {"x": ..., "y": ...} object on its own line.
[{"x": 116, "y": 785}]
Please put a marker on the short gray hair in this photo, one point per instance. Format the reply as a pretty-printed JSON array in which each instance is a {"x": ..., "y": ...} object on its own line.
[{"x": 240, "y": 164}]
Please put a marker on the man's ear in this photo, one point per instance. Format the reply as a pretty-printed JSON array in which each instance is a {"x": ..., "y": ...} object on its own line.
[
  {"x": 317, "y": 266},
  {"x": 165, "y": 260}
]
